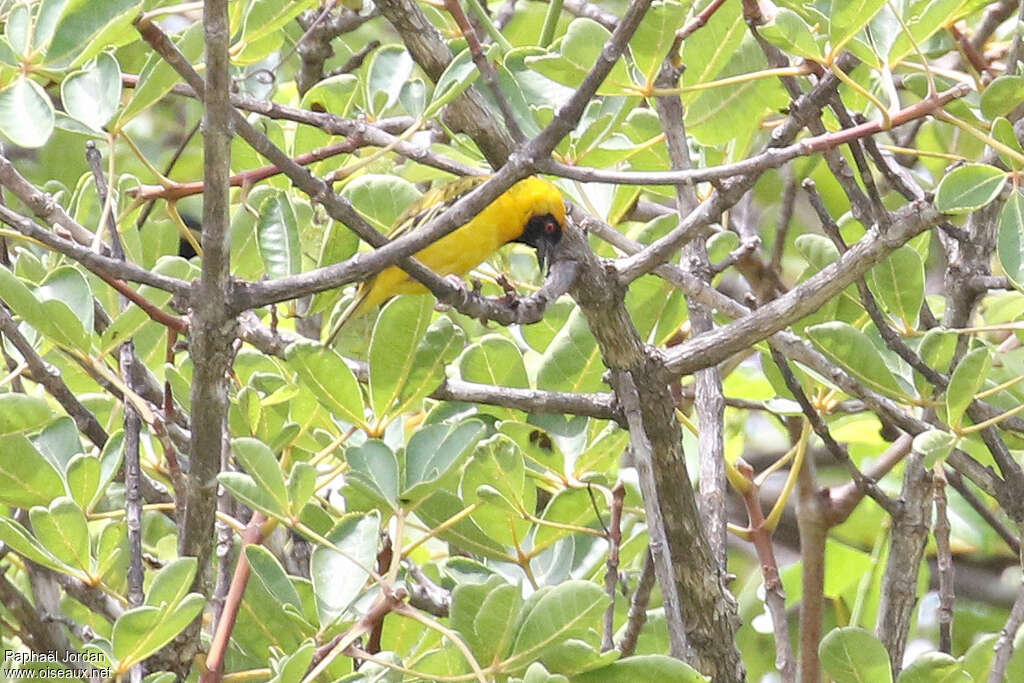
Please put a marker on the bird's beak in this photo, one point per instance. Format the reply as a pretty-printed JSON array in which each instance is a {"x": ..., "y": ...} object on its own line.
[{"x": 544, "y": 251}]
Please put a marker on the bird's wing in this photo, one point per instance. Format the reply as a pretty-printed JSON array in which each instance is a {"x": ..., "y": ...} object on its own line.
[{"x": 432, "y": 204}]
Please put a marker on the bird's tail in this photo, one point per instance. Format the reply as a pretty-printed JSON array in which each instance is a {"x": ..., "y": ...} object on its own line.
[{"x": 354, "y": 309}]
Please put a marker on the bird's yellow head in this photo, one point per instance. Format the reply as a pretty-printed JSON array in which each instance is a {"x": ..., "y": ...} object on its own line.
[{"x": 542, "y": 218}]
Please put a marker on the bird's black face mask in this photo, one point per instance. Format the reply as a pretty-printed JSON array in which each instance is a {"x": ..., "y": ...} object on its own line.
[{"x": 543, "y": 234}]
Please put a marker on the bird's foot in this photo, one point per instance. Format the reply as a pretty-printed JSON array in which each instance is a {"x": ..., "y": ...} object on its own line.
[
  {"x": 460, "y": 285},
  {"x": 511, "y": 295}
]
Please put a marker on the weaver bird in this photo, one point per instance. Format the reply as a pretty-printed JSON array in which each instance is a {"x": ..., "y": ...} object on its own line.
[{"x": 530, "y": 212}]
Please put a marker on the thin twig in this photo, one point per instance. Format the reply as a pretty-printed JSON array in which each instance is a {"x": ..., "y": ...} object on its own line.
[
  {"x": 944, "y": 563},
  {"x": 774, "y": 593},
  {"x": 1004, "y": 645},
  {"x": 611, "y": 576},
  {"x": 637, "y": 616}
]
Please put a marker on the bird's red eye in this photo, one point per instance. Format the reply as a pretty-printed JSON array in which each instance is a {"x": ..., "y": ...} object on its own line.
[{"x": 550, "y": 227}]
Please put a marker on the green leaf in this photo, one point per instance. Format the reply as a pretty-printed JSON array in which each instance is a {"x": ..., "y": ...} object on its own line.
[
  {"x": 59, "y": 441},
  {"x": 269, "y": 571},
  {"x": 924, "y": 20},
  {"x": 18, "y": 29},
  {"x": 496, "y": 361},
  {"x": 977, "y": 661},
  {"x": 853, "y": 655},
  {"x": 277, "y": 236},
  {"x": 301, "y": 486},
  {"x": 258, "y": 460},
  {"x": 83, "y": 476},
  {"x": 63, "y": 531},
  {"x": 68, "y": 286},
  {"x": 494, "y": 623},
  {"x": 969, "y": 187},
  {"x": 467, "y": 605},
  {"x": 851, "y": 349},
  {"x": 26, "y": 113},
  {"x": 168, "y": 609},
  {"x": 396, "y": 334},
  {"x": 934, "y": 667},
  {"x": 790, "y": 32},
  {"x": 26, "y": 477},
  {"x": 157, "y": 77},
  {"x": 1002, "y": 96},
  {"x": 23, "y": 413},
  {"x": 566, "y": 611},
  {"x": 22, "y": 542},
  {"x": 572, "y": 361},
  {"x": 52, "y": 318},
  {"x": 568, "y": 507},
  {"x": 439, "y": 346},
  {"x": 266, "y": 17},
  {"x": 390, "y": 67},
  {"x": 496, "y": 476},
  {"x": 338, "y": 577},
  {"x": 440, "y": 507},
  {"x": 245, "y": 489},
  {"x": 966, "y": 381},
  {"x": 326, "y": 375},
  {"x": 171, "y": 584},
  {"x": 110, "y": 550},
  {"x": 937, "y": 349},
  {"x": 93, "y": 94},
  {"x": 817, "y": 249},
  {"x": 413, "y": 97},
  {"x": 380, "y": 199},
  {"x": 434, "y": 451},
  {"x": 160, "y": 677},
  {"x": 718, "y": 41},
  {"x": 718, "y": 115},
  {"x": 86, "y": 27},
  {"x": 373, "y": 468},
  {"x": 651, "y": 667},
  {"x": 335, "y": 95},
  {"x": 574, "y": 656},
  {"x": 935, "y": 445},
  {"x": 898, "y": 281},
  {"x": 133, "y": 318},
  {"x": 848, "y": 17},
  {"x": 111, "y": 459},
  {"x": 655, "y": 35},
  {"x": 1010, "y": 247},
  {"x": 578, "y": 51},
  {"x": 293, "y": 668},
  {"x": 456, "y": 78},
  {"x": 1002, "y": 130},
  {"x": 140, "y": 632}
]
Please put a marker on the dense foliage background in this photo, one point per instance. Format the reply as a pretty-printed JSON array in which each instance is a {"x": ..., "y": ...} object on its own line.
[{"x": 758, "y": 421}]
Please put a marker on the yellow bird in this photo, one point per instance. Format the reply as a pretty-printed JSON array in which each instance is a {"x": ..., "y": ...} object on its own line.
[{"x": 531, "y": 212}]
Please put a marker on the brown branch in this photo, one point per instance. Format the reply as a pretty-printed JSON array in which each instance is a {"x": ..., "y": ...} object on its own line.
[
  {"x": 49, "y": 378},
  {"x": 906, "y": 552},
  {"x": 485, "y": 68},
  {"x": 245, "y": 178},
  {"x": 229, "y": 614},
  {"x": 637, "y": 616},
  {"x": 97, "y": 263},
  {"x": 611, "y": 575},
  {"x": 717, "y": 345},
  {"x": 774, "y": 593},
  {"x": 1004, "y": 645},
  {"x": 699, "y": 21},
  {"x": 867, "y": 486},
  {"x": 971, "y": 53},
  {"x": 944, "y": 563}
]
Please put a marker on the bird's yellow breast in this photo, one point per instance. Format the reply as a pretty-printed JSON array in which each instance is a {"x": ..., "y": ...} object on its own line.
[{"x": 460, "y": 251}]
